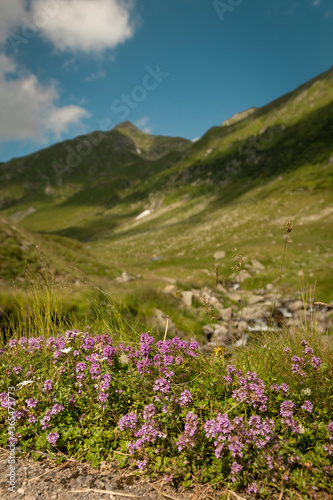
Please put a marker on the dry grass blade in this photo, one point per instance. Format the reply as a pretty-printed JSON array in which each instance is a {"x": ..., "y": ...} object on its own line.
[
  {"x": 235, "y": 495},
  {"x": 323, "y": 304},
  {"x": 106, "y": 492},
  {"x": 47, "y": 472},
  {"x": 161, "y": 493}
]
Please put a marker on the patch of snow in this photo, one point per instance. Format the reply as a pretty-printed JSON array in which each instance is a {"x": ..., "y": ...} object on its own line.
[
  {"x": 138, "y": 150},
  {"x": 143, "y": 214}
]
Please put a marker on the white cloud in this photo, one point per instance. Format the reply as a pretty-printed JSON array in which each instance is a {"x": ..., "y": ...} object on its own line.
[
  {"x": 12, "y": 12},
  {"x": 144, "y": 124},
  {"x": 196, "y": 139},
  {"x": 93, "y": 77},
  {"x": 316, "y": 3},
  {"x": 28, "y": 109},
  {"x": 85, "y": 25}
]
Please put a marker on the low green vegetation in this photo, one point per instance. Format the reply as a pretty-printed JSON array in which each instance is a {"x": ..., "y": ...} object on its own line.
[{"x": 257, "y": 422}]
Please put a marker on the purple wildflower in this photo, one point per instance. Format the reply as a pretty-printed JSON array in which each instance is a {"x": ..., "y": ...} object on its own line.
[
  {"x": 141, "y": 464},
  {"x": 31, "y": 419},
  {"x": 235, "y": 469},
  {"x": 128, "y": 421},
  {"x": 57, "y": 408},
  {"x": 53, "y": 438},
  {"x": 308, "y": 406},
  {"x": 12, "y": 343},
  {"x": 162, "y": 385},
  {"x": 17, "y": 369},
  {"x": 185, "y": 398},
  {"x": 286, "y": 408},
  {"x": 149, "y": 411},
  {"x": 48, "y": 386},
  {"x": 31, "y": 402},
  {"x": 316, "y": 362}
]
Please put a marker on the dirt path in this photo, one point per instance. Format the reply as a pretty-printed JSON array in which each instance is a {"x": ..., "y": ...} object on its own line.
[{"x": 71, "y": 480}]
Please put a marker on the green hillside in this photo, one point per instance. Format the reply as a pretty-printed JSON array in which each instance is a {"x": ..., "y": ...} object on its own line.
[{"x": 235, "y": 187}]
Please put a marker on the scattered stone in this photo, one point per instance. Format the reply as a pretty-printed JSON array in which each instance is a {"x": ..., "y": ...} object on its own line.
[
  {"x": 208, "y": 331},
  {"x": 125, "y": 278},
  {"x": 256, "y": 311},
  {"x": 221, "y": 337},
  {"x": 187, "y": 298},
  {"x": 226, "y": 314},
  {"x": 243, "y": 275},
  {"x": 269, "y": 287},
  {"x": 220, "y": 254},
  {"x": 257, "y": 265},
  {"x": 296, "y": 306},
  {"x": 242, "y": 341},
  {"x": 170, "y": 289},
  {"x": 254, "y": 299}
]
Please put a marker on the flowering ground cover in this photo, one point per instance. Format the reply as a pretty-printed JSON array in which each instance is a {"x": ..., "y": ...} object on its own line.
[{"x": 256, "y": 423}]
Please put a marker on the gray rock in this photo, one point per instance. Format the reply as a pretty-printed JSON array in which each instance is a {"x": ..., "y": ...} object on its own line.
[
  {"x": 296, "y": 306},
  {"x": 226, "y": 314},
  {"x": 257, "y": 265},
  {"x": 187, "y": 298},
  {"x": 220, "y": 254}
]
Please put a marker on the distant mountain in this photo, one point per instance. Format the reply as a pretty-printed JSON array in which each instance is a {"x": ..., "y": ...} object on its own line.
[{"x": 236, "y": 186}]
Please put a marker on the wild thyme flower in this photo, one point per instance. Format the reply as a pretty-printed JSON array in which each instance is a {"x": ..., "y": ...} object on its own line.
[
  {"x": 162, "y": 385},
  {"x": 48, "y": 386},
  {"x": 95, "y": 370},
  {"x": 53, "y": 438},
  {"x": 102, "y": 397},
  {"x": 81, "y": 367},
  {"x": 235, "y": 446},
  {"x": 128, "y": 422},
  {"x": 31, "y": 418},
  {"x": 185, "y": 398},
  {"x": 235, "y": 469},
  {"x": 105, "y": 382},
  {"x": 252, "y": 488},
  {"x": 141, "y": 464},
  {"x": 168, "y": 360},
  {"x": 23, "y": 341},
  {"x": 57, "y": 408},
  {"x": 149, "y": 411},
  {"x": 87, "y": 343},
  {"x": 12, "y": 343},
  {"x": 31, "y": 402},
  {"x": 308, "y": 406},
  {"x": 17, "y": 369},
  {"x": 187, "y": 438},
  {"x": 316, "y": 362},
  {"x": 179, "y": 360},
  {"x": 286, "y": 408},
  {"x": 286, "y": 350}
]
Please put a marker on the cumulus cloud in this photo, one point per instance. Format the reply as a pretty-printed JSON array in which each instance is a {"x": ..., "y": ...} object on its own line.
[
  {"x": 316, "y": 3},
  {"x": 84, "y": 25},
  {"x": 144, "y": 124},
  {"x": 28, "y": 109},
  {"x": 12, "y": 12}
]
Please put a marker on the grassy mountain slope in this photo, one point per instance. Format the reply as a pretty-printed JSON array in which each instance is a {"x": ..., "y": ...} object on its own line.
[{"x": 235, "y": 187}]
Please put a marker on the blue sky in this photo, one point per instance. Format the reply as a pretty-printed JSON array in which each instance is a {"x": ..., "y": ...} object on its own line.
[{"x": 172, "y": 67}]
